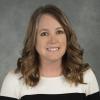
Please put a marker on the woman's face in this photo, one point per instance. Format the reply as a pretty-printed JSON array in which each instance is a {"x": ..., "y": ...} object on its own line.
[{"x": 51, "y": 39}]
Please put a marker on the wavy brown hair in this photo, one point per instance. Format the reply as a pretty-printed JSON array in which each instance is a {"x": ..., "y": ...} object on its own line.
[{"x": 72, "y": 61}]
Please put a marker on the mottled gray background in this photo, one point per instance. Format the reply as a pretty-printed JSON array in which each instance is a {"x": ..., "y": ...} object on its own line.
[{"x": 14, "y": 17}]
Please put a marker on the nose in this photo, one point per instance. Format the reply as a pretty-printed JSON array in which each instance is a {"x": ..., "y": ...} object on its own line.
[{"x": 52, "y": 39}]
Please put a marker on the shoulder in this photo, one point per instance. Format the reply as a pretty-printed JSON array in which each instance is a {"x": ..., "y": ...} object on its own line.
[
  {"x": 91, "y": 82},
  {"x": 89, "y": 75},
  {"x": 11, "y": 84},
  {"x": 12, "y": 76}
]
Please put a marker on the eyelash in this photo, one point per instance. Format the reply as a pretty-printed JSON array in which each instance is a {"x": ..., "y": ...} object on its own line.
[
  {"x": 46, "y": 33},
  {"x": 60, "y": 32}
]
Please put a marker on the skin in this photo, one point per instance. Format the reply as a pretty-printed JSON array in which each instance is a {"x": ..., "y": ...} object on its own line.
[{"x": 50, "y": 45}]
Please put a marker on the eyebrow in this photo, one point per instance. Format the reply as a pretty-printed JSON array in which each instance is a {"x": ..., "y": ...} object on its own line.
[
  {"x": 59, "y": 28},
  {"x": 45, "y": 29}
]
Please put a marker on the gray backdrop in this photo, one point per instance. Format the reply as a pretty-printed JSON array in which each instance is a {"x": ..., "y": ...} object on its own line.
[{"x": 15, "y": 14}]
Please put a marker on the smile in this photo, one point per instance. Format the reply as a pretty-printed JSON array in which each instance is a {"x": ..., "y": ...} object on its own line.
[{"x": 53, "y": 49}]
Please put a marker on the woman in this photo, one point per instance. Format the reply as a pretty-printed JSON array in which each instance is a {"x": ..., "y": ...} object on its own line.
[{"x": 51, "y": 64}]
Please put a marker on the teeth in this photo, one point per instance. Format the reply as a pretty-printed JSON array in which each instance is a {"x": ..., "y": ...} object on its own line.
[{"x": 53, "y": 49}]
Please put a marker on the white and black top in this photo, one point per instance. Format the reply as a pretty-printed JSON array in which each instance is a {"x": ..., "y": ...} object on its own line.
[{"x": 50, "y": 88}]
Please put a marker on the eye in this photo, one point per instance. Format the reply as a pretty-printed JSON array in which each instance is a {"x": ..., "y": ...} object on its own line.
[
  {"x": 60, "y": 32},
  {"x": 43, "y": 33}
]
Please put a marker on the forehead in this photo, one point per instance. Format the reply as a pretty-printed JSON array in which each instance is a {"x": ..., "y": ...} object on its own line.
[{"x": 48, "y": 20}]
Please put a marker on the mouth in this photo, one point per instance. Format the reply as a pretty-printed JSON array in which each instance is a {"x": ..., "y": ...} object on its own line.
[{"x": 53, "y": 49}]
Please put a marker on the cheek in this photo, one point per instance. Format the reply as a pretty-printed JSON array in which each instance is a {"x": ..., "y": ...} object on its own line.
[
  {"x": 63, "y": 41},
  {"x": 38, "y": 41},
  {"x": 64, "y": 44},
  {"x": 39, "y": 45}
]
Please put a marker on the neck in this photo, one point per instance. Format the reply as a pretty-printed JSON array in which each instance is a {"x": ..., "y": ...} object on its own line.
[{"x": 50, "y": 68}]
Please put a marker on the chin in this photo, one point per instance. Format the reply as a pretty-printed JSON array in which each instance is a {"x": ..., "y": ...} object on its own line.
[{"x": 54, "y": 59}]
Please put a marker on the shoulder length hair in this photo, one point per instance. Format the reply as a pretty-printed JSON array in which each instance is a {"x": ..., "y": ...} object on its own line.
[{"x": 72, "y": 61}]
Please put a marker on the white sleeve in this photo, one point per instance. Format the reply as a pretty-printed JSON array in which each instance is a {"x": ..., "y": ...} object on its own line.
[
  {"x": 10, "y": 86},
  {"x": 92, "y": 84}
]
